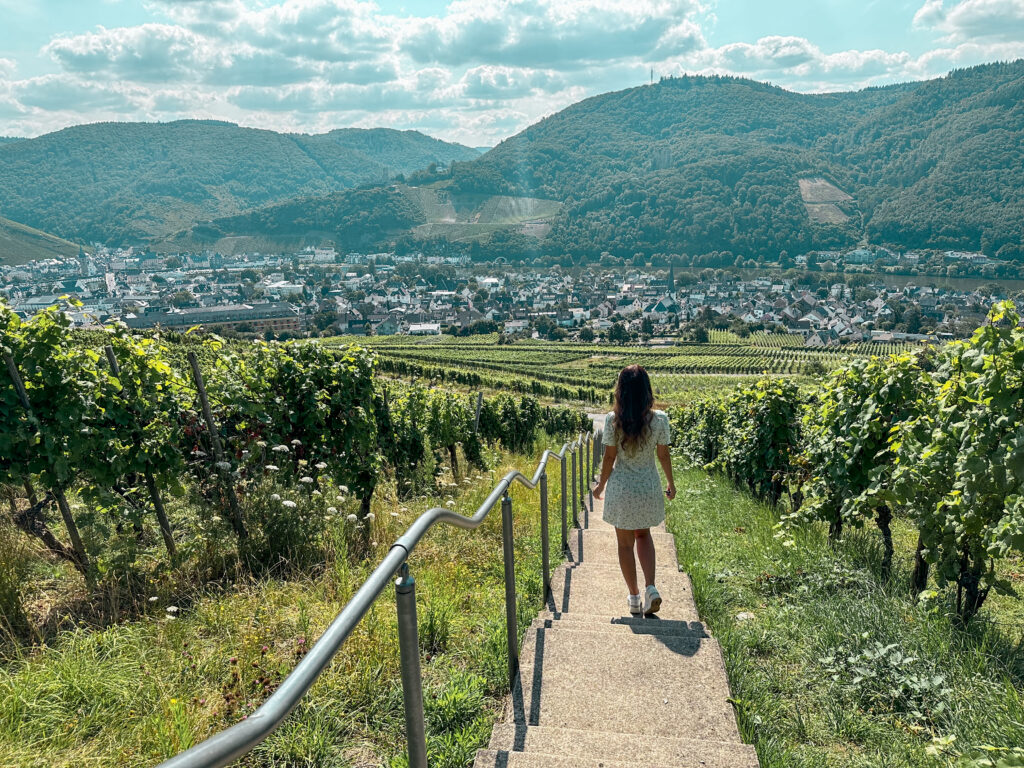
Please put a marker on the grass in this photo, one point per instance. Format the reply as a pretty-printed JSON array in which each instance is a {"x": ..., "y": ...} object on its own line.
[
  {"x": 140, "y": 690},
  {"x": 829, "y": 666}
]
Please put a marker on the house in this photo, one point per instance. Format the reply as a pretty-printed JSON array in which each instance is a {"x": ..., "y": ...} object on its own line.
[{"x": 425, "y": 329}]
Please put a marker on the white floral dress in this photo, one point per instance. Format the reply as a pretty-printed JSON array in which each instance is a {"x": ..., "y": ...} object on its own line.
[{"x": 633, "y": 496}]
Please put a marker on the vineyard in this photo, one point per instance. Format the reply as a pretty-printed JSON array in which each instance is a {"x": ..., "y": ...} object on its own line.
[
  {"x": 586, "y": 372},
  {"x": 102, "y": 434},
  {"x": 932, "y": 437}
]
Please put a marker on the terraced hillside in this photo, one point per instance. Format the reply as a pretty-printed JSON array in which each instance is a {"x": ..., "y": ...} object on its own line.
[{"x": 588, "y": 371}]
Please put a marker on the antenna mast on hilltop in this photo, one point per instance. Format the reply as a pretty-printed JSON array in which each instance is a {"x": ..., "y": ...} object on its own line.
[{"x": 652, "y": 75}]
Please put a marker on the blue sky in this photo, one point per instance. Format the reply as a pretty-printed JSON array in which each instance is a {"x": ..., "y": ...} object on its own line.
[{"x": 474, "y": 71}]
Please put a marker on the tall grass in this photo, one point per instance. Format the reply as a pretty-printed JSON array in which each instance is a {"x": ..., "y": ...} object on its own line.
[
  {"x": 197, "y": 661},
  {"x": 828, "y": 665}
]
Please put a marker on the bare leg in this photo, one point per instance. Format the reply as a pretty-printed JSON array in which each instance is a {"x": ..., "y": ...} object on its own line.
[
  {"x": 645, "y": 551},
  {"x": 627, "y": 563}
]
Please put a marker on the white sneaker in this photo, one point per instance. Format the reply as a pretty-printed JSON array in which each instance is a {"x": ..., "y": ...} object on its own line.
[
  {"x": 652, "y": 600},
  {"x": 634, "y": 603}
]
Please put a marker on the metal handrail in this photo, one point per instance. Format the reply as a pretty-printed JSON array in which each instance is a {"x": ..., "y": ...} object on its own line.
[{"x": 232, "y": 743}]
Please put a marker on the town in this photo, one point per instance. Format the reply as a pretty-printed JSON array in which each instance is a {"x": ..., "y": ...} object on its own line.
[{"x": 319, "y": 291}]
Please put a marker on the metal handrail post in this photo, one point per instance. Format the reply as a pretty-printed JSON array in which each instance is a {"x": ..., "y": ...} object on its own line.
[
  {"x": 511, "y": 627},
  {"x": 584, "y": 447},
  {"x": 590, "y": 472},
  {"x": 565, "y": 501},
  {"x": 412, "y": 681},
  {"x": 575, "y": 497},
  {"x": 545, "y": 547}
]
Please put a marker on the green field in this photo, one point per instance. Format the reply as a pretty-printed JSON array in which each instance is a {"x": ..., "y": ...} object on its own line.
[{"x": 678, "y": 372}]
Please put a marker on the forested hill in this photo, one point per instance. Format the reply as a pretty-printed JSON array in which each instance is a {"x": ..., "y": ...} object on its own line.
[
  {"x": 695, "y": 164},
  {"x": 124, "y": 182}
]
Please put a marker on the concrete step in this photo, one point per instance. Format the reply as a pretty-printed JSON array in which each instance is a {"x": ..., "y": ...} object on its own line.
[
  {"x": 594, "y": 544},
  {"x": 601, "y": 590},
  {"x": 595, "y": 681},
  {"x": 489, "y": 758},
  {"x": 635, "y": 748},
  {"x": 640, "y": 625}
]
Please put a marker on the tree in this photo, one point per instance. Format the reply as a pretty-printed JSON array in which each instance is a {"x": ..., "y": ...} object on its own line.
[
  {"x": 618, "y": 334},
  {"x": 587, "y": 334}
]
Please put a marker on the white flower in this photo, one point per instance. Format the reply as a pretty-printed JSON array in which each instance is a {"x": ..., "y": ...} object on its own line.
[
  {"x": 171, "y": 609},
  {"x": 306, "y": 479},
  {"x": 340, "y": 498},
  {"x": 280, "y": 449},
  {"x": 394, "y": 514},
  {"x": 321, "y": 465},
  {"x": 215, "y": 518},
  {"x": 370, "y": 516},
  {"x": 332, "y": 510},
  {"x": 153, "y": 599},
  {"x": 449, "y": 502},
  {"x": 275, "y": 497},
  {"x": 352, "y": 518},
  {"x": 317, "y": 493},
  {"x": 405, "y": 509},
  {"x": 271, "y": 467},
  {"x": 261, "y": 443},
  {"x": 343, "y": 488},
  {"x": 288, "y": 503},
  {"x": 296, "y": 442}
]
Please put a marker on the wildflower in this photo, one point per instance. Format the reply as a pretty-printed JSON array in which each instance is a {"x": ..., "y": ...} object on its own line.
[
  {"x": 216, "y": 518},
  {"x": 394, "y": 514},
  {"x": 172, "y": 609},
  {"x": 296, "y": 442},
  {"x": 153, "y": 599},
  {"x": 317, "y": 493},
  {"x": 280, "y": 449},
  {"x": 288, "y": 503},
  {"x": 370, "y": 516},
  {"x": 261, "y": 443},
  {"x": 352, "y": 518},
  {"x": 332, "y": 510},
  {"x": 343, "y": 488},
  {"x": 321, "y": 465},
  {"x": 449, "y": 502},
  {"x": 340, "y": 498},
  {"x": 271, "y": 467},
  {"x": 233, "y": 660},
  {"x": 306, "y": 479},
  {"x": 275, "y": 497}
]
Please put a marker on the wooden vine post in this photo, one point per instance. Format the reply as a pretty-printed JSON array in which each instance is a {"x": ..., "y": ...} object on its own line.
[
  {"x": 476, "y": 418},
  {"x": 151, "y": 486},
  {"x": 218, "y": 453},
  {"x": 81, "y": 559}
]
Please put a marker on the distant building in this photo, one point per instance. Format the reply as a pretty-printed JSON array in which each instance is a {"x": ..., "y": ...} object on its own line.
[
  {"x": 277, "y": 317},
  {"x": 425, "y": 329}
]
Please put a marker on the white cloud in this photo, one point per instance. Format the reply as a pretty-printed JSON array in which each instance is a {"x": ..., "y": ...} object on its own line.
[
  {"x": 974, "y": 20},
  {"x": 145, "y": 53},
  {"x": 476, "y": 71},
  {"x": 544, "y": 33}
]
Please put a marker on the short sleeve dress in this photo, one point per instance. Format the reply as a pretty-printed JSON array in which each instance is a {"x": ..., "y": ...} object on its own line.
[{"x": 633, "y": 496}]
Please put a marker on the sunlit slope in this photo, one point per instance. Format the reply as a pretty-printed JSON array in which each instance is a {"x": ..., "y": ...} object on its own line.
[{"x": 20, "y": 243}]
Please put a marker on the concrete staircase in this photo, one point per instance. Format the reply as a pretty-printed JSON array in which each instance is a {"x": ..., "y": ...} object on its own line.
[{"x": 599, "y": 688}]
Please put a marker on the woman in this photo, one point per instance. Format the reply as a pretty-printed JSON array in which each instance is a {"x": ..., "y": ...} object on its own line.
[{"x": 634, "y": 434}]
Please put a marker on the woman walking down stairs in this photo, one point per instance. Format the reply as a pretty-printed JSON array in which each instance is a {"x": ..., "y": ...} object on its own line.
[{"x": 599, "y": 687}]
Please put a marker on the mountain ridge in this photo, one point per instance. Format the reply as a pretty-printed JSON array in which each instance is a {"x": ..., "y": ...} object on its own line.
[{"x": 122, "y": 182}]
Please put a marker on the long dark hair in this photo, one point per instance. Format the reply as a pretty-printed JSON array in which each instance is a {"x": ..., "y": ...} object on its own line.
[{"x": 634, "y": 400}]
